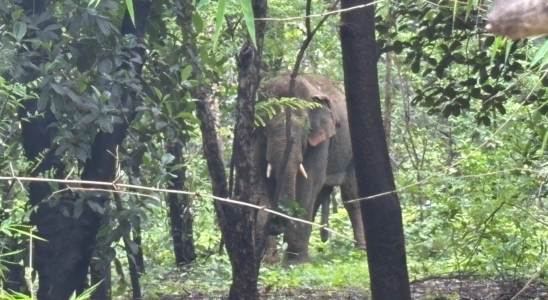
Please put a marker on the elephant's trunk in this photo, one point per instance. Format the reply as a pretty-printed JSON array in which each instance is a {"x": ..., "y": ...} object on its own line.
[
  {"x": 286, "y": 176},
  {"x": 288, "y": 182},
  {"x": 285, "y": 188}
]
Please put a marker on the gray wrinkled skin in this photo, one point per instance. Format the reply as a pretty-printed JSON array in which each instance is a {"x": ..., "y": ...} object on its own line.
[{"x": 518, "y": 18}]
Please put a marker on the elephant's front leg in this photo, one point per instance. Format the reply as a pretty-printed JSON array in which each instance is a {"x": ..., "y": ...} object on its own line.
[
  {"x": 297, "y": 234},
  {"x": 349, "y": 192}
]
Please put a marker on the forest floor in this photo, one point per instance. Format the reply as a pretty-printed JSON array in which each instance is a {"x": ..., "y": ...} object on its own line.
[{"x": 434, "y": 288}]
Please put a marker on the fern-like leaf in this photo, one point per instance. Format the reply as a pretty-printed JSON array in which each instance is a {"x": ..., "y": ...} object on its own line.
[{"x": 273, "y": 106}]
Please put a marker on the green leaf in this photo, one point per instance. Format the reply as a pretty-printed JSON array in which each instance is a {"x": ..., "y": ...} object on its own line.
[
  {"x": 105, "y": 66},
  {"x": 508, "y": 48},
  {"x": 15, "y": 15},
  {"x": 220, "y": 16},
  {"x": 58, "y": 88},
  {"x": 96, "y": 206},
  {"x": 541, "y": 53},
  {"x": 186, "y": 72},
  {"x": 104, "y": 230},
  {"x": 495, "y": 47},
  {"x": 201, "y": 3},
  {"x": 132, "y": 245},
  {"x": 469, "y": 6},
  {"x": 197, "y": 22},
  {"x": 147, "y": 158},
  {"x": 247, "y": 10},
  {"x": 129, "y": 4},
  {"x": 52, "y": 27},
  {"x": 158, "y": 93},
  {"x": 94, "y": 3},
  {"x": 29, "y": 234},
  {"x": 87, "y": 292},
  {"x": 80, "y": 154},
  {"x": 78, "y": 208},
  {"x": 19, "y": 30},
  {"x": 545, "y": 141},
  {"x": 167, "y": 158},
  {"x": 75, "y": 97}
]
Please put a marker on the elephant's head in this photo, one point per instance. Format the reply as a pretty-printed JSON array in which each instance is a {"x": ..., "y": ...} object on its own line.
[
  {"x": 309, "y": 127},
  {"x": 286, "y": 175}
]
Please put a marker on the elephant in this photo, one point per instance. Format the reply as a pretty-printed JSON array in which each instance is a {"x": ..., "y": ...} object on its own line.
[
  {"x": 320, "y": 159},
  {"x": 518, "y": 18}
]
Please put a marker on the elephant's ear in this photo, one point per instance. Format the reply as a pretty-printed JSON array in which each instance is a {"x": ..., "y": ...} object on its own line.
[{"x": 322, "y": 125}]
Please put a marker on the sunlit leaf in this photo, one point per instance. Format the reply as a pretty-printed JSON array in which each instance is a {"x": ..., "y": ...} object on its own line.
[
  {"x": 540, "y": 54},
  {"x": 247, "y": 10},
  {"x": 219, "y": 18},
  {"x": 186, "y": 72},
  {"x": 129, "y": 4},
  {"x": 19, "y": 30}
]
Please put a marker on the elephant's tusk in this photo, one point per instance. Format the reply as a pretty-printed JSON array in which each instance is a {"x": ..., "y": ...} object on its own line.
[
  {"x": 268, "y": 170},
  {"x": 301, "y": 168}
]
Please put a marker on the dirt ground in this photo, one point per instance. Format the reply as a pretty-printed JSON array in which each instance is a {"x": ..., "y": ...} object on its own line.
[{"x": 435, "y": 288}]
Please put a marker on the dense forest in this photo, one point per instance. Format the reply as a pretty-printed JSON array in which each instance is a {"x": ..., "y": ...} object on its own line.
[{"x": 254, "y": 149}]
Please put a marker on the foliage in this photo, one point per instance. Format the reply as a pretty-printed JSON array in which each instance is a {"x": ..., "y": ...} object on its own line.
[{"x": 265, "y": 110}]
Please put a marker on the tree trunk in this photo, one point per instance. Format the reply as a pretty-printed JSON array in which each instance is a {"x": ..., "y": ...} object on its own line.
[
  {"x": 100, "y": 270},
  {"x": 138, "y": 240},
  {"x": 245, "y": 254},
  {"x": 62, "y": 262},
  {"x": 236, "y": 222},
  {"x": 179, "y": 212},
  {"x": 381, "y": 216},
  {"x": 131, "y": 257}
]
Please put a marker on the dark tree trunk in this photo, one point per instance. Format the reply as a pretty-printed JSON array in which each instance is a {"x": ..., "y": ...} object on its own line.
[
  {"x": 134, "y": 273},
  {"x": 138, "y": 240},
  {"x": 62, "y": 262},
  {"x": 100, "y": 270},
  {"x": 179, "y": 212},
  {"x": 245, "y": 254},
  {"x": 381, "y": 216},
  {"x": 131, "y": 257}
]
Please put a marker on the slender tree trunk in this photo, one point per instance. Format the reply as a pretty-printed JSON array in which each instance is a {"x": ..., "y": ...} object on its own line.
[
  {"x": 244, "y": 248},
  {"x": 99, "y": 269},
  {"x": 138, "y": 240},
  {"x": 381, "y": 216},
  {"x": 131, "y": 256},
  {"x": 179, "y": 212},
  {"x": 236, "y": 222}
]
